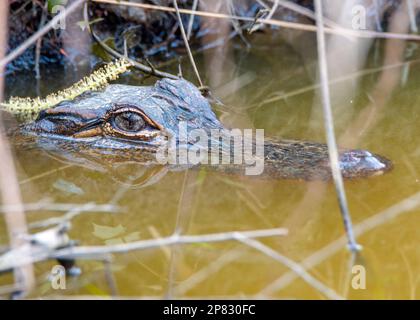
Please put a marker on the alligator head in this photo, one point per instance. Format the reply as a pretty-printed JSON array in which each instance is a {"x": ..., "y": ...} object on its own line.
[{"x": 123, "y": 117}]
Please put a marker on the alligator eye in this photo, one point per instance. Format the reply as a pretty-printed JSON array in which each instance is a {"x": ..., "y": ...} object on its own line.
[{"x": 128, "y": 121}]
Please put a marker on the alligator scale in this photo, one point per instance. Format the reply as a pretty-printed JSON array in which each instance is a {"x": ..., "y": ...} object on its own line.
[{"x": 130, "y": 123}]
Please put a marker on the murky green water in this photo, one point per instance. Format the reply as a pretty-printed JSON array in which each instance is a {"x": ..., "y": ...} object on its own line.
[{"x": 199, "y": 202}]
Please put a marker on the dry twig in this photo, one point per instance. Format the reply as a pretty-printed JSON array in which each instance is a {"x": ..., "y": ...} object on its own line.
[
  {"x": 9, "y": 186},
  {"x": 187, "y": 46},
  {"x": 329, "y": 128}
]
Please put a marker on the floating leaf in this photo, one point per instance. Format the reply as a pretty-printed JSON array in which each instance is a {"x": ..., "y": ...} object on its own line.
[
  {"x": 68, "y": 187},
  {"x": 106, "y": 232}
]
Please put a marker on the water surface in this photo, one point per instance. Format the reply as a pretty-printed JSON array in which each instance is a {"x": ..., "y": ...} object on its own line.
[{"x": 202, "y": 201}]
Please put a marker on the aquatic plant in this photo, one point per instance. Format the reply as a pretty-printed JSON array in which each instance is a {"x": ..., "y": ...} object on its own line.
[{"x": 30, "y": 107}]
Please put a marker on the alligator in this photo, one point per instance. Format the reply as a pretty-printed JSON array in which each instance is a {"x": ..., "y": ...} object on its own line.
[{"x": 123, "y": 123}]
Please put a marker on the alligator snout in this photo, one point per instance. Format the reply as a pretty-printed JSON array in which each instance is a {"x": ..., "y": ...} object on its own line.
[
  {"x": 63, "y": 121},
  {"x": 49, "y": 124},
  {"x": 359, "y": 163}
]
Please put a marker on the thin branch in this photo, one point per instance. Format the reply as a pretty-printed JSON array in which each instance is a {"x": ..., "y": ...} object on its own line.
[
  {"x": 278, "y": 97},
  {"x": 377, "y": 16},
  {"x": 236, "y": 26},
  {"x": 308, "y": 13},
  {"x": 46, "y": 206},
  {"x": 274, "y": 8},
  {"x": 91, "y": 251},
  {"x": 329, "y": 128},
  {"x": 185, "y": 211},
  {"x": 75, "y": 211},
  {"x": 36, "y": 247},
  {"x": 266, "y": 13},
  {"x": 116, "y": 54},
  {"x": 187, "y": 46},
  {"x": 39, "y": 41},
  {"x": 8, "y": 289},
  {"x": 203, "y": 274},
  {"x": 412, "y": 16},
  {"x": 295, "y": 267},
  {"x": 191, "y": 21},
  {"x": 285, "y": 24},
  {"x": 46, "y": 245},
  {"x": 45, "y": 174},
  {"x": 9, "y": 185},
  {"x": 110, "y": 279}
]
